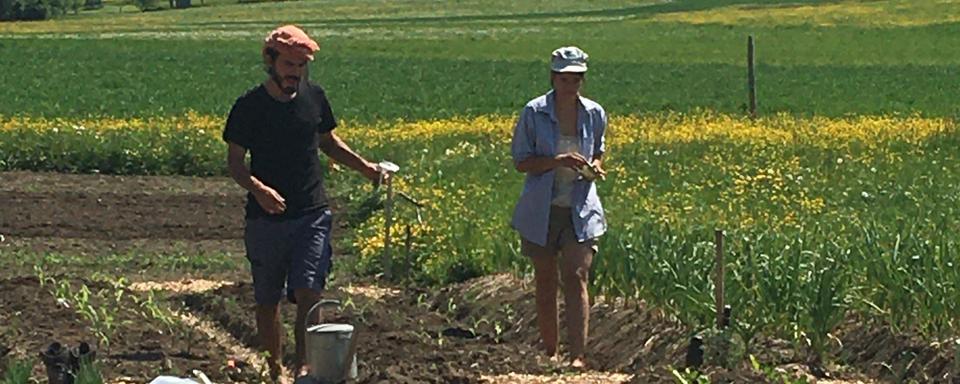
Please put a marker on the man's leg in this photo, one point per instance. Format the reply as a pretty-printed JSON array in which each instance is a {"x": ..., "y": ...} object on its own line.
[
  {"x": 306, "y": 298},
  {"x": 310, "y": 265},
  {"x": 265, "y": 251},
  {"x": 270, "y": 332}
]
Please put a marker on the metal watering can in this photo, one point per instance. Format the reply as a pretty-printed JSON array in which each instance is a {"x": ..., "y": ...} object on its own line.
[{"x": 331, "y": 349}]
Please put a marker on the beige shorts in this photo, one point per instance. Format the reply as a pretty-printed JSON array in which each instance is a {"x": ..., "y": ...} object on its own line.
[{"x": 560, "y": 234}]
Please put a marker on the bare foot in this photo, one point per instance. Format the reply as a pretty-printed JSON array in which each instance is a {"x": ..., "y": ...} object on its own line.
[
  {"x": 300, "y": 370},
  {"x": 579, "y": 364},
  {"x": 552, "y": 362},
  {"x": 277, "y": 376}
]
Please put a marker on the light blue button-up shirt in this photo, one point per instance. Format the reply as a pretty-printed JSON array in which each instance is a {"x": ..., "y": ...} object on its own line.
[{"x": 536, "y": 135}]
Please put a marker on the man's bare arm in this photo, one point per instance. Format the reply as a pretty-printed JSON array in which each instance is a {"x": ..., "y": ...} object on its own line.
[
  {"x": 267, "y": 197},
  {"x": 338, "y": 150}
]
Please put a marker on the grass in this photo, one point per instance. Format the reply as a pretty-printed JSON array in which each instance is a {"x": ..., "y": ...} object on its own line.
[
  {"x": 144, "y": 263},
  {"x": 89, "y": 374},
  {"x": 230, "y": 13},
  {"x": 17, "y": 371},
  {"x": 405, "y": 60}
]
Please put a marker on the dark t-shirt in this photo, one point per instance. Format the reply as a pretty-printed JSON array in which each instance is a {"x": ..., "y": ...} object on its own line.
[{"x": 283, "y": 139}]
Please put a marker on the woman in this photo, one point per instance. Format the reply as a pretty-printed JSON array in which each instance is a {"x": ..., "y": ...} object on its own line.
[{"x": 559, "y": 143}]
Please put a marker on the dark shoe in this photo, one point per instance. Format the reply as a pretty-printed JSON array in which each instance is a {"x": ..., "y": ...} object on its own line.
[
  {"x": 695, "y": 352},
  {"x": 55, "y": 359}
]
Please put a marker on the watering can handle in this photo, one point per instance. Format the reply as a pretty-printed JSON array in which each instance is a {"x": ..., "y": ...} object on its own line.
[{"x": 318, "y": 305}]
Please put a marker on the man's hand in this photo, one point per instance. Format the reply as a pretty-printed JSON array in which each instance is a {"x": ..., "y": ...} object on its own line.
[
  {"x": 270, "y": 200},
  {"x": 372, "y": 172}
]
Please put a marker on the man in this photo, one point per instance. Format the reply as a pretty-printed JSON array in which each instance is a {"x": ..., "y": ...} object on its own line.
[{"x": 282, "y": 122}]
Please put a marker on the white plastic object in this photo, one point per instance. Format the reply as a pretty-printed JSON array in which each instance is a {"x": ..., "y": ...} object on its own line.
[
  {"x": 387, "y": 166},
  {"x": 172, "y": 380}
]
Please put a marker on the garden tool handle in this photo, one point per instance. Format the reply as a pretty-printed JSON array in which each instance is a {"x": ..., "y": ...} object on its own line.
[{"x": 317, "y": 305}]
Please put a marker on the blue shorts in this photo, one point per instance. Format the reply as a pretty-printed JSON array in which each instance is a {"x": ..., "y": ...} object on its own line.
[{"x": 295, "y": 253}]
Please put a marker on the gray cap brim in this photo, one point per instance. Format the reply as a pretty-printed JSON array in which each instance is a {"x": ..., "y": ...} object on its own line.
[{"x": 569, "y": 67}]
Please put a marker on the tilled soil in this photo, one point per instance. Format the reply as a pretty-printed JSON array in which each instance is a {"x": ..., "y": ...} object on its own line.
[
  {"x": 38, "y": 205},
  {"x": 398, "y": 342},
  {"x": 136, "y": 346}
]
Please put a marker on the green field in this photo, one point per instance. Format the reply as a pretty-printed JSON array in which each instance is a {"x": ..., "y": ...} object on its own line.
[{"x": 406, "y": 60}]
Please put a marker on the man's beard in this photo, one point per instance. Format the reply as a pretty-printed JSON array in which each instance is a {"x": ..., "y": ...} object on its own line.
[{"x": 279, "y": 82}]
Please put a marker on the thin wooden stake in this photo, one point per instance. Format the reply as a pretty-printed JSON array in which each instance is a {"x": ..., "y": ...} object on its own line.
[
  {"x": 718, "y": 282},
  {"x": 388, "y": 213},
  {"x": 407, "y": 245},
  {"x": 751, "y": 77}
]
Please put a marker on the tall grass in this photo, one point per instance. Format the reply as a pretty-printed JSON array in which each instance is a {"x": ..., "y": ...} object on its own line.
[{"x": 17, "y": 371}]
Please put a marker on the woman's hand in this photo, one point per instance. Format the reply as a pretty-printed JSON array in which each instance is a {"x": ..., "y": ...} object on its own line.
[
  {"x": 598, "y": 169},
  {"x": 571, "y": 160}
]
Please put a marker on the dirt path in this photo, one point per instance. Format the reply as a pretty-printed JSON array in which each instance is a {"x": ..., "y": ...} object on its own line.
[{"x": 405, "y": 340}]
